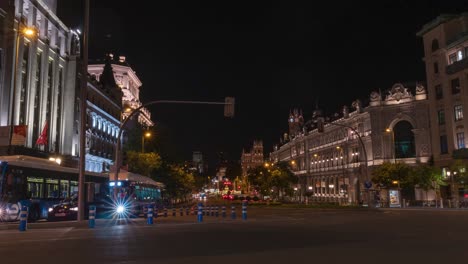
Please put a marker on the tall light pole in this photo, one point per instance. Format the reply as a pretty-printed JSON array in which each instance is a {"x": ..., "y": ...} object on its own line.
[
  {"x": 147, "y": 134},
  {"x": 228, "y": 112},
  {"x": 389, "y": 130},
  {"x": 320, "y": 125},
  {"x": 83, "y": 106},
  {"x": 22, "y": 31}
]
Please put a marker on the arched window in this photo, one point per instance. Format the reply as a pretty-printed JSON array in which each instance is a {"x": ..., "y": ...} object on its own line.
[
  {"x": 404, "y": 140},
  {"x": 435, "y": 45}
]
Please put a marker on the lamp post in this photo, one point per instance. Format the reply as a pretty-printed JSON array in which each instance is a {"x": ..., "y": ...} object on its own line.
[
  {"x": 389, "y": 130},
  {"x": 147, "y": 134},
  {"x": 22, "y": 31},
  {"x": 122, "y": 125},
  {"x": 320, "y": 127}
]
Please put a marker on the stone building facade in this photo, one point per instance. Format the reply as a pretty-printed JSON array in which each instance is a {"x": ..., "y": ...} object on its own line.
[
  {"x": 334, "y": 165},
  {"x": 253, "y": 158}
]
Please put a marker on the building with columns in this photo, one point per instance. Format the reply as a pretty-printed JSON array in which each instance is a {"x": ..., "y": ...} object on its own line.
[
  {"x": 334, "y": 165},
  {"x": 253, "y": 158}
]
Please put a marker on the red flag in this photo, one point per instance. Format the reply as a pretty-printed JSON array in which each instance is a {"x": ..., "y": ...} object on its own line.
[{"x": 42, "y": 140}]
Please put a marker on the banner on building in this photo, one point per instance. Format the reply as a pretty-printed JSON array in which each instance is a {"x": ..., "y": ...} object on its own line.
[
  {"x": 18, "y": 136},
  {"x": 42, "y": 140}
]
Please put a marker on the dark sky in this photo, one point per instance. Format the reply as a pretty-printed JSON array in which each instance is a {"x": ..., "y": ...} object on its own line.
[{"x": 271, "y": 57}]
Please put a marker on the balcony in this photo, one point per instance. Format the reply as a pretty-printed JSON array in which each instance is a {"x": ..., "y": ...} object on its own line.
[{"x": 457, "y": 66}]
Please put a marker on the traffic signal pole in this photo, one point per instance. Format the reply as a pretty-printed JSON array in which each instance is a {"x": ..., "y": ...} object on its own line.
[{"x": 228, "y": 112}]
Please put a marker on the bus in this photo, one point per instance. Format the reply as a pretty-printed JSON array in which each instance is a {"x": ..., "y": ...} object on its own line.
[
  {"x": 39, "y": 184},
  {"x": 137, "y": 191}
]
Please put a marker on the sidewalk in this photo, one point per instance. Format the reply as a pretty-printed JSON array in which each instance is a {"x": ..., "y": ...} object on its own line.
[{"x": 422, "y": 208}]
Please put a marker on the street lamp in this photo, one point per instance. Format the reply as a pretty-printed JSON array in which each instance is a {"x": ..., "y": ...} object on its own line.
[
  {"x": 147, "y": 134},
  {"x": 25, "y": 32},
  {"x": 389, "y": 130}
]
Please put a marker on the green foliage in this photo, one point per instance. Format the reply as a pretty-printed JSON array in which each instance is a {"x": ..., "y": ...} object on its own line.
[
  {"x": 277, "y": 177},
  {"x": 178, "y": 182},
  {"x": 143, "y": 163},
  {"x": 422, "y": 175},
  {"x": 459, "y": 172}
]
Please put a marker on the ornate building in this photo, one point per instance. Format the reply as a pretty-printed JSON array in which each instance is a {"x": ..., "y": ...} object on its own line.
[
  {"x": 253, "y": 158},
  {"x": 103, "y": 121},
  {"x": 334, "y": 165},
  {"x": 130, "y": 84}
]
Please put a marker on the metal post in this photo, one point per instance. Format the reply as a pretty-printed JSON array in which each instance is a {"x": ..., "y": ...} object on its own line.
[
  {"x": 244, "y": 210},
  {"x": 23, "y": 226},
  {"x": 83, "y": 105},
  {"x": 150, "y": 215},
  {"x": 233, "y": 212},
  {"x": 200, "y": 213},
  {"x": 223, "y": 209},
  {"x": 92, "y": 216}
]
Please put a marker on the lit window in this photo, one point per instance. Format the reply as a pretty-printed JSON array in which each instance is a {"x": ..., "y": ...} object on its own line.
[
  {"x": 459, "y": 55},
  {"x": 461, "y": 140},
  {"x": 452, "y": 58},
  {"x": 458, "y": 109}
]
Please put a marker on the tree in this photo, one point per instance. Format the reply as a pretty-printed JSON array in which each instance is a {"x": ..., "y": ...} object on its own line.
[
  {"x": 387, "y": 173},
  {"x": 178, "y": 182},
  {"x": 143, "y": 163}
]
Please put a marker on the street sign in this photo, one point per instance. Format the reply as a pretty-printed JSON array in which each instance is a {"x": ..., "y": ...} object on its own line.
[{"x": 367, "y": 184}]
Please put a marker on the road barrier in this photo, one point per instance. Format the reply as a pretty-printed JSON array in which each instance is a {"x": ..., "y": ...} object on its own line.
[
  {"x": 233, "y": 212},
  {"x": 200, "y": 212},
  {"x": 223, "y": 209},
  {"x": 244, "y": 210},
  {"x": 92, "y": 216},
  {"x": 181, "y": 211},
  {"x": 149, "y": 219},
  {"x": 173, "y": 211},
  {"x": 216, "y": 211},
  {"x": 23, "y": 225},
  {"x": 187, "y": 210}
]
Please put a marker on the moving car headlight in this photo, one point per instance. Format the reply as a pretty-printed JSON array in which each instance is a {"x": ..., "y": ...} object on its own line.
[
  {"x": 120, "y": 209},
  {"x": 74, "y": 209},
  {"x": 51, "y": 209}
]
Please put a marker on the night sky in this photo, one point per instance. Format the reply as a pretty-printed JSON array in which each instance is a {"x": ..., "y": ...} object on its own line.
[{"x": 271, "y": 57}]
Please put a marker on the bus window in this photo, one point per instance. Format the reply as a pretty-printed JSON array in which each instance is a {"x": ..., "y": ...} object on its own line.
[
  {"x": 73, "y": 188},
  {"x": 35, "y": 187},
  {"x": 64, "y": 188},
  {"x": 52, "y": 188}
]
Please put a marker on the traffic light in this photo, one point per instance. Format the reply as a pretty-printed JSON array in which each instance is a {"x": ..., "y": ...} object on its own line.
[
  {"x": 229, "y": 107},
  {"x": 320, "y": 124}
]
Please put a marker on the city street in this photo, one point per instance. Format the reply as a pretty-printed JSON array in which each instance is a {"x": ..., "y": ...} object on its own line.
[{"x": 269, "y": 236}]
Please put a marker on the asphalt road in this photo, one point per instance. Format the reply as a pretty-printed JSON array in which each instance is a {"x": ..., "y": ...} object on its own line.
[{"x": 268, "y": 236}]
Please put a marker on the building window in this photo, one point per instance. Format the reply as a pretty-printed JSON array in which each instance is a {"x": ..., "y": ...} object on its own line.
[
  {"x": 441, "y": 117},
  {"x": 435, "y": 45},
  {"x": 436, "y": 68},
  {"x": 439, "y": 92},
  {"x": 452, "y": 58},
  {"x": 24, "y": 85},
  {"x": 461, "y": 140},
  {"x": 37, "y": 96},
  {"x": 455, "y": 86},
  {"x": 443, "y": 144},
  {"x": 458, "y": 109},
  {"x": 459, "y": 55}
]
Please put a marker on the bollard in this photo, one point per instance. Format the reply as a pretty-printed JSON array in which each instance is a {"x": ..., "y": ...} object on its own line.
[
  {"x": 212, "y": 210},
  {"x": 165, "y": 212},
  {"x": 244, "y": 210},
  {"x": 200, "y": 212},
  {"x": 23, "y": 225},
  {"x": 223, "y": 209},
  {"x": 233, "y": 212},
  {"x": 181, "y": 211},
  {"x": 217, "y": 211},
  {"x": 156, "y": 212},
  {"x": 92, "y": 216},
  {"x": 187, "y": 210},
  {"x": 192, "y": 209},
  {"x": 150, "y": 215},
  {"x": 173, "y": 211}
]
